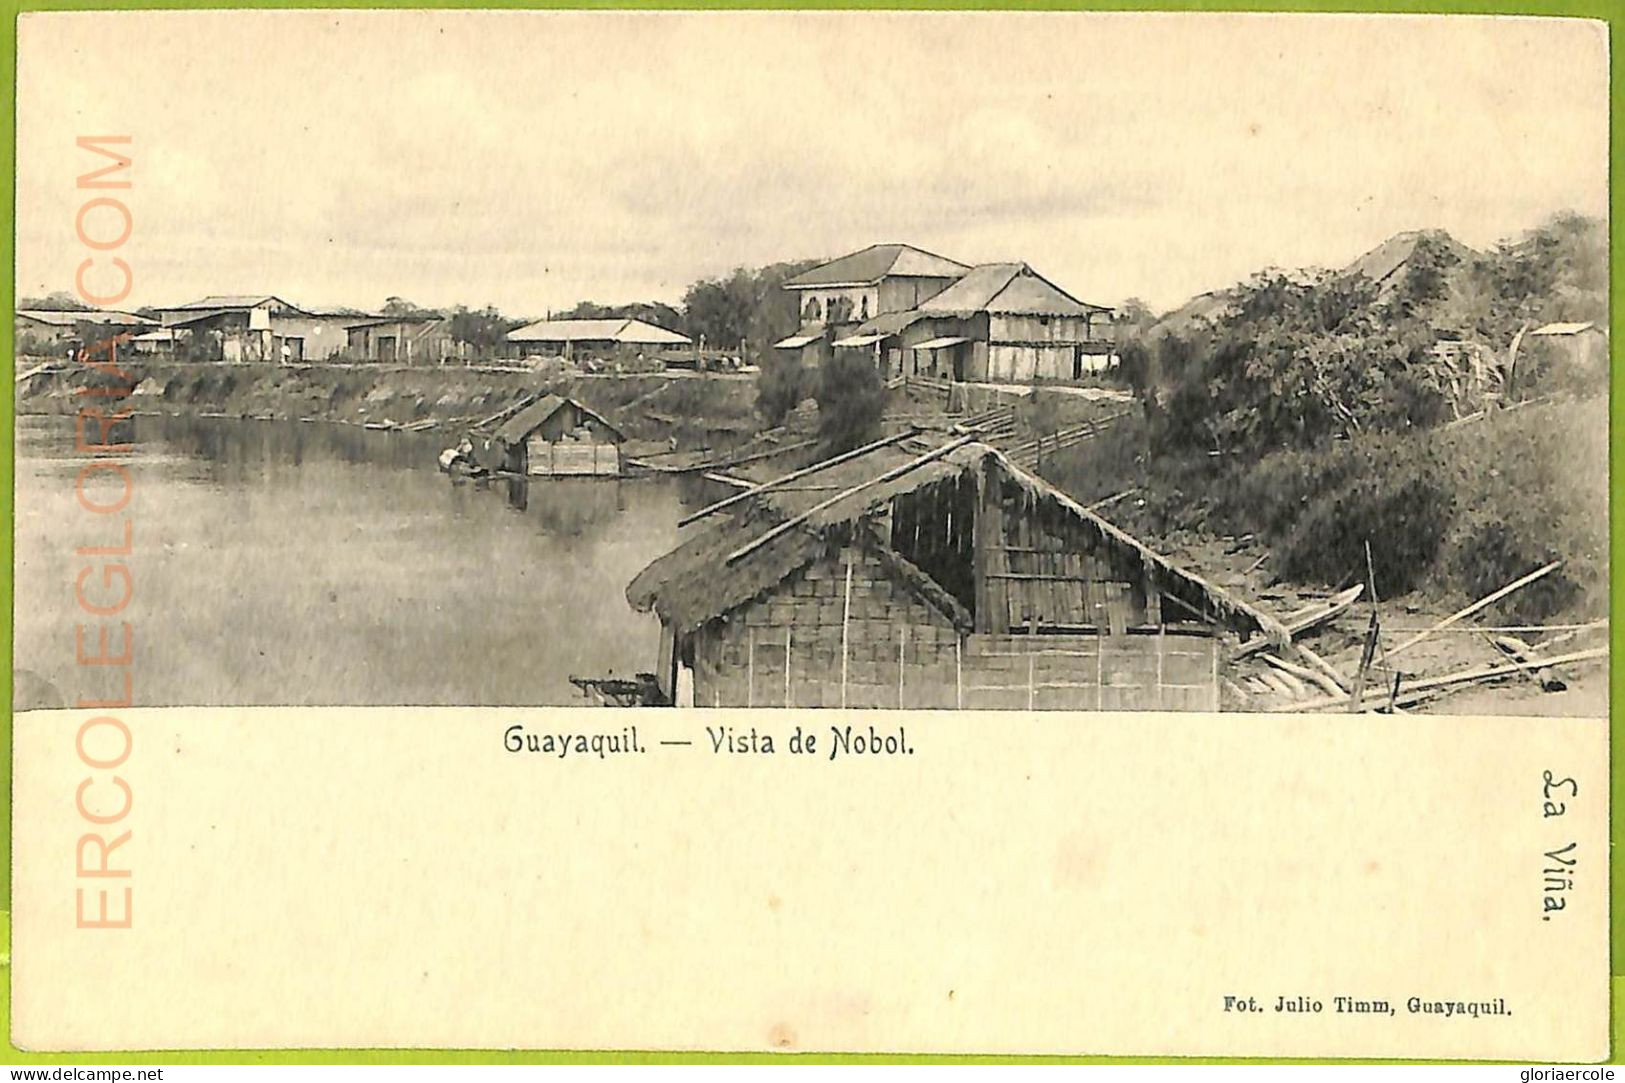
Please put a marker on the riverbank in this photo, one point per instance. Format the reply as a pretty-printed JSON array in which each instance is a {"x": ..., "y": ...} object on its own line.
[{"x": 694, "y": 409}]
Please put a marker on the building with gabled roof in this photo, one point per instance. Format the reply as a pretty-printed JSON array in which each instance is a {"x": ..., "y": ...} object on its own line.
[
  {"x": 49, "y": 331},
  {"x": 255, "y": 327},
  {"x": 614, "y": 337},
  {"x": 1582, "y": 344},
  {"x": 408, "y": 338},
  {"x": 874, "y": 264},
  {"x": 921, "y": 574},
  {"x": 834, "y": 298},
  {"x": 550, "y": 436},
  {"x": 920, "y": 314}
]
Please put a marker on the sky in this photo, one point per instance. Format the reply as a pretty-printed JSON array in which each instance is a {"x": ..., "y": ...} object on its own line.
[{"x": 532, "y": 160}]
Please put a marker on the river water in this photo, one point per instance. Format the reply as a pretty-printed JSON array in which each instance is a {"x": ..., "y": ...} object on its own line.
[{"x": 279, "y": 563}]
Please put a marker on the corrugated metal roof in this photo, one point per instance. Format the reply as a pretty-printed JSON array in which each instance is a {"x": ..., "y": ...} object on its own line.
[
  {"x": 97, "y": 315},
  {"x": 633, "y": 332},
  {"x": 890, "y": 323},
  {"x": 852, "y": 341},
  {"x": 231, "y": 301},
  {"x": 199, "y": 317},
  {"x": 800, "y": 338},
  {"x": 520, "y": 425},
  {"x": 1008, "y": 289},
  {"x": 874, "y": 263}
]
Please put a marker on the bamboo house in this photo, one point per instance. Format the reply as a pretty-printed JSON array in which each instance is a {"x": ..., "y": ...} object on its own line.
[
  {"x": 553, "y": 436},
  {"x": 949, "y": 577}
]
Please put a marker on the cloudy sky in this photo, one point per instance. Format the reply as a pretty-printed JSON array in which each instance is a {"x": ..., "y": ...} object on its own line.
[{"x": 532, "y": 160}]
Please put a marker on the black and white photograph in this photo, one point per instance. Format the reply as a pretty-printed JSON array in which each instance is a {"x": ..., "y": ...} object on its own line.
[
  {"x": 718, "y": 361},
  {"x": 610, "y": 535}
]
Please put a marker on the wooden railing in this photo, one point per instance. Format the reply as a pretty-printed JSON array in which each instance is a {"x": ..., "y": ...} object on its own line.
[{"x": 1030, "y": 452}]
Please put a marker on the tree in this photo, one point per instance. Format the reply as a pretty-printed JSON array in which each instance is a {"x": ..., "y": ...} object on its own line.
[
  {"x": 400, "y": 306},
  {"x": 1132, "y": 319},
  {"x": 1298, "y": 362},
  {"x": 485, "y": 330},
  {"x": 851, "y": 401},
  {"x": 56, "y": 301},
  {"x": 655, "y": 312},
  {"x": 779, "y": 389},
  {"x": 719, "y": 310}
]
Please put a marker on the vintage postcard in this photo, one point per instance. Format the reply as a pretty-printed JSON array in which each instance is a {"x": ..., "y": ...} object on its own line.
[{"x": 867, "y": 531}]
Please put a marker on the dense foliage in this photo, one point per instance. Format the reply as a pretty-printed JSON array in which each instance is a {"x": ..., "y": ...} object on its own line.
[
  {"x": 1306, "y": 411},
  {"x": 851, "y": 399},
  {"x": 486, "y": 329},
  {"x": 779, "y": 389},
  {"x": 1296, "y": 360}
]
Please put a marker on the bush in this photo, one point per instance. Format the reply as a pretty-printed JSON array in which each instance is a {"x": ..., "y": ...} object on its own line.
[
  {"x": 1539, "y": 479},
  {"x": 780, "y": 387},
  {"x": 1458, "y": 512},
  {"x": 851, "y": 402},
  {"x": 1319, "y": 508}
]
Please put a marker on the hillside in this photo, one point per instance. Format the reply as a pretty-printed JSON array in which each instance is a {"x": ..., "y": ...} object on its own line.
[
  {"x": 1387, "y": 264},
  {"x": 1313, "y": 414}
]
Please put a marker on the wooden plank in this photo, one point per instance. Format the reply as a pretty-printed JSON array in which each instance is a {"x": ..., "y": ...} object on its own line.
[
  {"x": 1476, "y": 606},
  {"x": 795, "y": 475},
  {"x": 1419, "y": 688},
  {"x": 1320, "y": 680},
  {"x": 890, "y": 475}
]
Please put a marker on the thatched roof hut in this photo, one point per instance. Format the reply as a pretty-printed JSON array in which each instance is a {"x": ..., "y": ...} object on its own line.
[{"x": 707, "y": 576}]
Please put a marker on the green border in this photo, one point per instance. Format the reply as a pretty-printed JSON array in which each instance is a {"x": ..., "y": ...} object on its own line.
[{"x": 1611, "y": 13}]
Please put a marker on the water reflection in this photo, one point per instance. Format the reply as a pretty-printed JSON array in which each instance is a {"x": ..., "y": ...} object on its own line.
[{"x": 292, "y": 563}]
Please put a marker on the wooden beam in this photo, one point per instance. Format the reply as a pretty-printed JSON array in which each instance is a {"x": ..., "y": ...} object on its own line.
[
  {"x": 1417, "y": 689},
  {"x": 793, "y": 475},
  {"x": 1324, "y": 666},
  {"x": 1476, "y": 606},
  {"x": 890, "y": 475},
  {"x": 1320, "y": 680}
]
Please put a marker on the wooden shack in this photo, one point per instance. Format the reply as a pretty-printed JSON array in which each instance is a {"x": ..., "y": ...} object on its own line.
[
  {"x": 554, "y": 436},
  {"x": 940, "y": 578}
]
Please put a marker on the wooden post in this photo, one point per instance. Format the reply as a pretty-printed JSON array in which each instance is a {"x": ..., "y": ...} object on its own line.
[
  {"x": 1161, "y": 648},
  {"x": 1100, "y": 672},
  {"x": 787, "y": 666},
  {"x": 959, "y": 678},
  {"x": 1031, "y": 661},
  {"x": 794, "y": 475},
  {"x": 980, "y": 609},
  {"x": 1213, "y": 653},
  {"x": 750, "y": 668},
  {"x": 902, "y": 643},
  {"x": 846, "y": 612}
]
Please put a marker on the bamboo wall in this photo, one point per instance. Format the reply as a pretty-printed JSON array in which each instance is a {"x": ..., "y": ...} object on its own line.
[{"x": 872, "y": 643}]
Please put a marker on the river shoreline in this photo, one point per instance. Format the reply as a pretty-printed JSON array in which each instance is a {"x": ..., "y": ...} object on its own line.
[{"x": 692, "y": 409}]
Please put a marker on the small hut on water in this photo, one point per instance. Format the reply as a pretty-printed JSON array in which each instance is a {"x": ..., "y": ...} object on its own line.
[
  {"x": 948, "y": 578},
  {"x": 553, "y": 436}
]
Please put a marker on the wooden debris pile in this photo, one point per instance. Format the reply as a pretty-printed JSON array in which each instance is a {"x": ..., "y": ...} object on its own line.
[{"x": 1370, "y": 672}]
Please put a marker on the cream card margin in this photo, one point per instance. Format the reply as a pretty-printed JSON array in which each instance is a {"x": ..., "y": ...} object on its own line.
[{"x": 1049, "y": 883}]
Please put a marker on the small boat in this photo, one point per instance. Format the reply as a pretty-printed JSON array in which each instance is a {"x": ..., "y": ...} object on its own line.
[
  {"x": 1310, "y": 616},
  {"x": 618, "y": 692}
]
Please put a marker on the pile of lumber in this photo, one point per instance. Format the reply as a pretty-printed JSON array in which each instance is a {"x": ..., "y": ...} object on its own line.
[{"x": 1298, "y": 679}]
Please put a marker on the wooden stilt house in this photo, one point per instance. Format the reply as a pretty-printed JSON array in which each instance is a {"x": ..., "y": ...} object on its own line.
[
  {"x": 947, "y": 577},
  {"x": 553, "y": 436}
]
